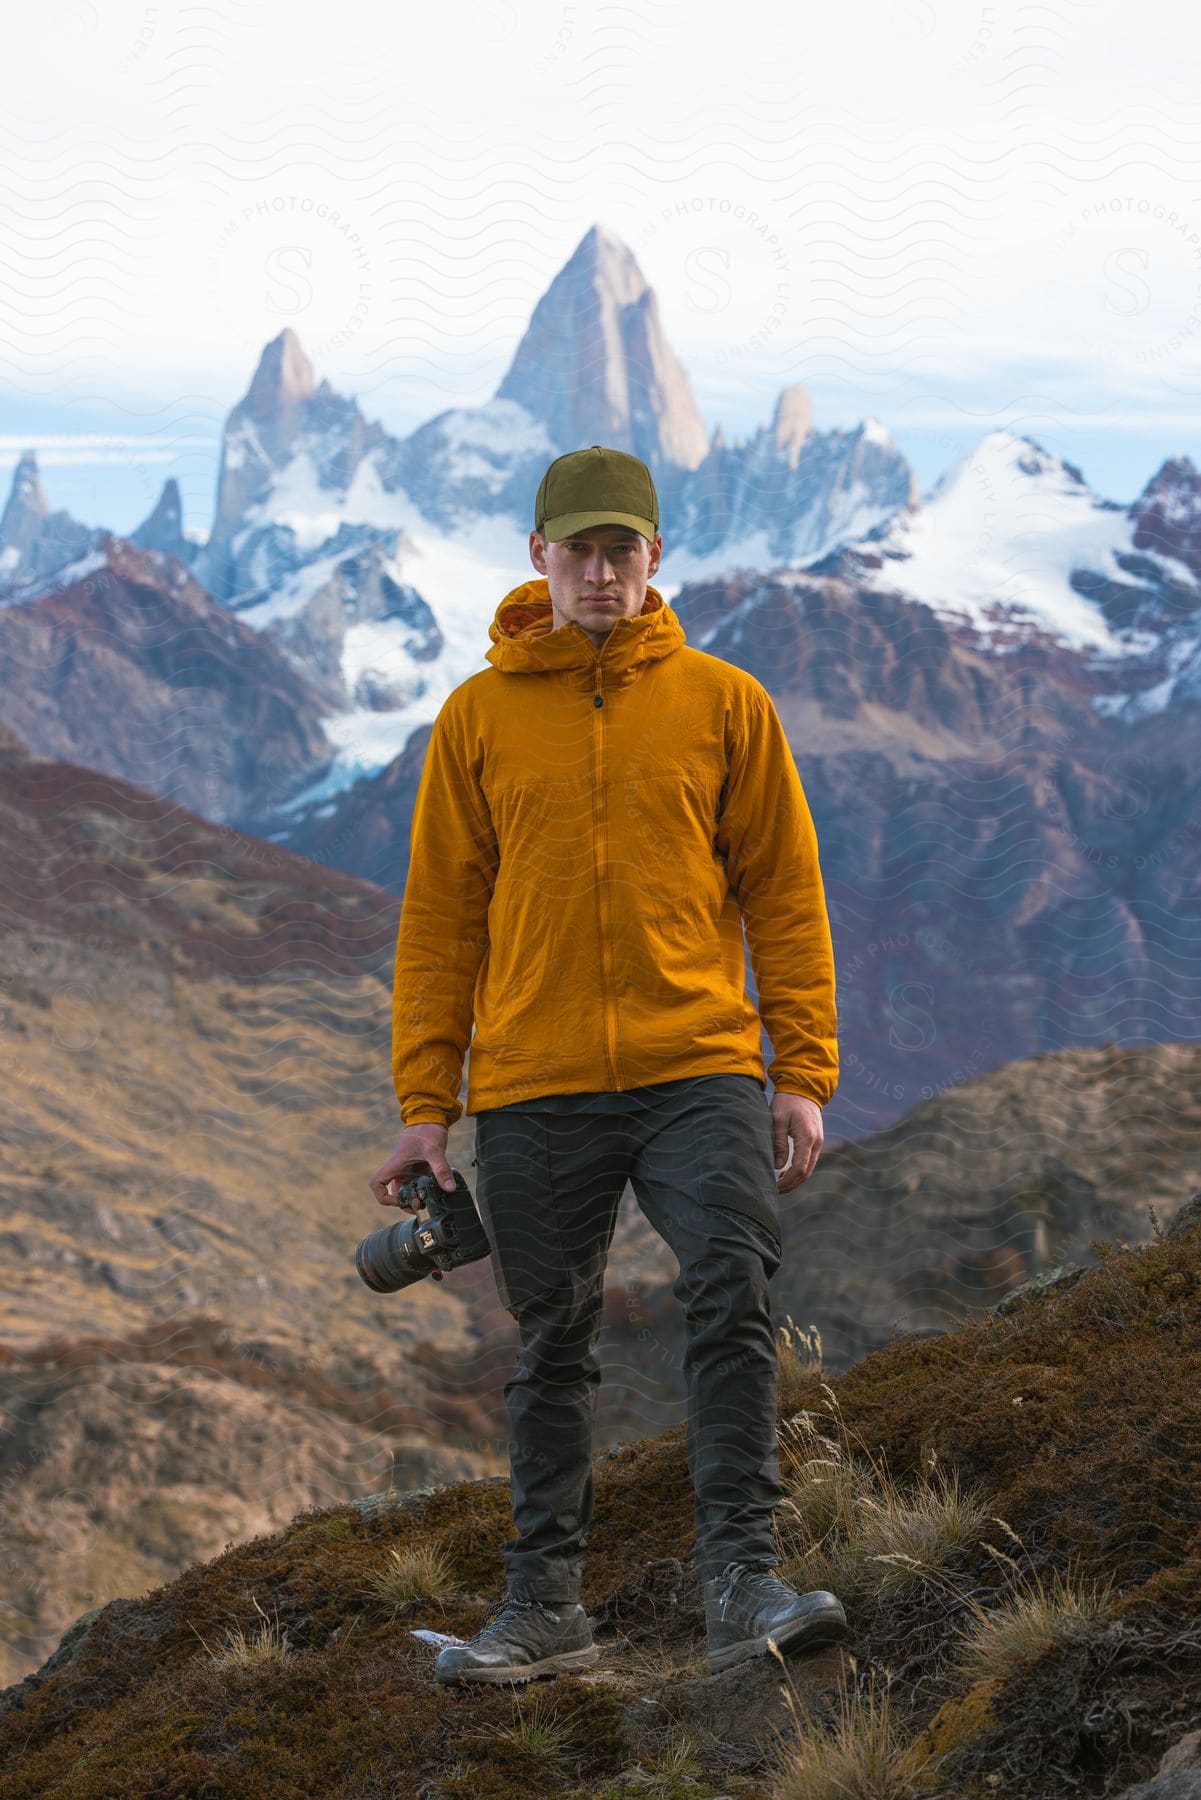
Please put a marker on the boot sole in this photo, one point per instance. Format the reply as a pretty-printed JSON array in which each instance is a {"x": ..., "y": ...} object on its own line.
[
  {"x": 817, "y": 1629},
  {"x": 562, "y": 1664}
]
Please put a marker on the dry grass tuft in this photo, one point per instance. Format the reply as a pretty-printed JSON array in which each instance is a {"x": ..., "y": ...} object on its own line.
[
  {"x": 539, "y": 1735},
  {"x": 676, "y": 1767},
  {"x": 846, "y": 1523},
  {"x": 421, "y": 1572},
  {"x": 267, "y": 1644},
  {"x": 798, "y": 1354},
  {"x": 908, "y": 1537},
  {"x": 860, "y": 1755},
  {"x": 1035, "y": 1615}
]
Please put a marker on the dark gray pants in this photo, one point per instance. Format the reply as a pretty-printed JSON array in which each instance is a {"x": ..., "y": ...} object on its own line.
[{"x": 548, "y": 1184}]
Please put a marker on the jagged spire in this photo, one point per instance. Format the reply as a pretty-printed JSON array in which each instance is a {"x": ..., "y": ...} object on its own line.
[
  {"x": 281, "y": 384},
  {"x": 33, "y": 540},
  {"x": 162, "y": 529},
  {"x": 1167, "y": 514},
  {"x": 791, "y": 423},
  {"x": 26, "y": 510},
  {"x": 259, "y": 434},
  {"x": 595, "y": 365}
]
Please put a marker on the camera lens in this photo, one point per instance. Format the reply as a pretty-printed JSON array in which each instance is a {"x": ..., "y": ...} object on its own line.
[{"x": 392, "y": 1258}]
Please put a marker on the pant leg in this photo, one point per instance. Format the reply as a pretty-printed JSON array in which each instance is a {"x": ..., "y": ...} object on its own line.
[
  {"x": 548, "y": 1187},
  {"x": 704, "y": 1176}
]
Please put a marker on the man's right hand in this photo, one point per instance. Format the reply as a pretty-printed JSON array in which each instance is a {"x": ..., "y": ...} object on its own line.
[{"x": 420, "y": 1149}]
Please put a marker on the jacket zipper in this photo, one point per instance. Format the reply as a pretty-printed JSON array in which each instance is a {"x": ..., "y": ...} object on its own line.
[{"x": 599, "y": 838}]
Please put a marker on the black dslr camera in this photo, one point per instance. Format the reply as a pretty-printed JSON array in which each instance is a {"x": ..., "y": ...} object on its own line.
[{"x": 397, "y": 1255}]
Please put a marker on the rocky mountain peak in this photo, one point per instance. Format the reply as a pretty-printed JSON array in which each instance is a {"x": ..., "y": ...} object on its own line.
[
  {"x": 1167, "y": 514},
  {"x": 610, "y": 263},
  {"x": 162, "y": 529},
  {"x": 26, "y": 490},
  {"x": 25, "y": 511},
  {"x": 1003, "y": 463},
  {"x": 595, "y": 365},
  {"x": 33, "y": 540},
  {"x": 261, "y": 434},
  {"x": 282, "y": 381},
  {"x": 791, "y": 423}
]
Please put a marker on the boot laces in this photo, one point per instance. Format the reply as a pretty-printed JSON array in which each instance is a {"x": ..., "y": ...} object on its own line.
[
  {"x": 507, "y": 1609},
  {"x": 737, "y": 1574}
]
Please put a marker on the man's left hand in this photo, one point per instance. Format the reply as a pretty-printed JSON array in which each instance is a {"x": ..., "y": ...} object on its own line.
[{"x": 795, "y": 1117}]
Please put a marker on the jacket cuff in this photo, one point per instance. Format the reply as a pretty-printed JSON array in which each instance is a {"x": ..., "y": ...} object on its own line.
[{"x": 819, "y": 1092}]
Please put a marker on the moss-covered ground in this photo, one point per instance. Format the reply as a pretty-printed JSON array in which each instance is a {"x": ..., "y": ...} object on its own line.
[{"x": 1077, "y": 1415}]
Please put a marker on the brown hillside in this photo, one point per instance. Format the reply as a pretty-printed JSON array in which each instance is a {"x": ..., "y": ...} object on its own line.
[
  {"x": 972, "y": 1193},
  {"x": 982, "y": 1187},
  {"x": 135, "y": 669},
  {"x": 1074, "y": 1423},
  {"x": 197, "y": 1027}
]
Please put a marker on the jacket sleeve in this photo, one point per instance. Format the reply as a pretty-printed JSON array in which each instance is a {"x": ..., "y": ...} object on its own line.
[
  {"x": 443, "y": 930},
  {"x": 766, "y": 834}
]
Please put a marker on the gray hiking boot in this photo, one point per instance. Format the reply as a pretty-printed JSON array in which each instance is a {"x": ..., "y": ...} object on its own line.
[
  {"x": 746, "y": 1605},
  {"x": 520, "y": 1639}
]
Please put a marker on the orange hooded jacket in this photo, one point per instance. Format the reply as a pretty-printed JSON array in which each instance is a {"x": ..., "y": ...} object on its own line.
[{"x": 590, "y": 831}]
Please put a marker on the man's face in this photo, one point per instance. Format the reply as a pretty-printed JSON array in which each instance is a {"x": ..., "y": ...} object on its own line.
[{"x": 597, "y": 577}]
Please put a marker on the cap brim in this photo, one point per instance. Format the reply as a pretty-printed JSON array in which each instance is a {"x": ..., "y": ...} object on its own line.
[{"x": 567, "y": 523}]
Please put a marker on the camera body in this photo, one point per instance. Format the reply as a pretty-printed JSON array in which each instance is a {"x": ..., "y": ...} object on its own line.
[{"x": 397, "y": 1255}]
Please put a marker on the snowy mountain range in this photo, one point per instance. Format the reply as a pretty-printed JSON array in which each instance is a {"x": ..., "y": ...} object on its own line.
[
  {"x": 374, "y": 563},
  {"x": 991, "y": 689},
  {"x": 1012, "y": 543}
]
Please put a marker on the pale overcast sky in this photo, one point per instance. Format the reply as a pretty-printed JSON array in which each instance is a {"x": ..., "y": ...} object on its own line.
[{"x": 949, "y": 216}]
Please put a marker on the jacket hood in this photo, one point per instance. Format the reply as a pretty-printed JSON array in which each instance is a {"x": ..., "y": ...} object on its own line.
[{"x": 526, "y": 642}]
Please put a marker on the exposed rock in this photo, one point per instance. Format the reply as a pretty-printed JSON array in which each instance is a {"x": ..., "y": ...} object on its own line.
[
  {"x": 994, "y": 1184},
  {"x": 162, "y": 529},
  {"x": 390, "y": 1500},
  {"x": 595, "y": 364},
  {"x": 363, "y": 586},
  {"x": 1187, "y": 1219},
  {"x": 792, "y": 423},
  {"x": 34, "y": 542},
  {"x": 284, "y": 415},
  {"x": 1185, "y": 1784},
  {"x": 792, "y": 493},
  {"x": 1184, "y": 1754},
  {"x": 119, "y": 1473},
  {"x": 366, "y": 831},
  {"x": 1167, "y": 514},
  {"x": 1063, "y": 1275}
]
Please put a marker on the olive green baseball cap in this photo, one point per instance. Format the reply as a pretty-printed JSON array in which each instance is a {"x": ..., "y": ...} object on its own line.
[{"x": 596, "y": 486}]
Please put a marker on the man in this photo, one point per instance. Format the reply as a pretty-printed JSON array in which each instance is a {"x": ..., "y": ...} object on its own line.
[{"x": 599, "y": 813}]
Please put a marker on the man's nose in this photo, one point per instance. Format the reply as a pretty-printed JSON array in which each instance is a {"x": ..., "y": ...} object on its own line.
[{"x": 599, "y": 570}]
